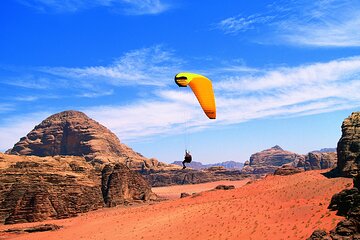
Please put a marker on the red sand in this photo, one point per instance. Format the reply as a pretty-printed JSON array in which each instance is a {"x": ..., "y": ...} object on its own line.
[
  {"x": 174, "y": 192},
  {"x": 277, "y": 207}
]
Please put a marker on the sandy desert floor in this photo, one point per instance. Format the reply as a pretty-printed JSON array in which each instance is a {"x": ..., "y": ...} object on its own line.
[
  {"x": 174, "y": 192},
  {"x": 277, "y": 207}
]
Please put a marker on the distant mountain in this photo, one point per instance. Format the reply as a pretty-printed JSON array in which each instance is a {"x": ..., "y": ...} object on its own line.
[
  {"x": 325, "y": 150},
  {"x": 268, "y": 160},
  {"x": 199, "y": 165}
]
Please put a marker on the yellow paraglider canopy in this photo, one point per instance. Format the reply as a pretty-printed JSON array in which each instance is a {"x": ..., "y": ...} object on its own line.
[{"x": 202, "y": 88}]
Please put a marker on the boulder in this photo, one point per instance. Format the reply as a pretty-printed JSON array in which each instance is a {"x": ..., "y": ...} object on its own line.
[
  {"x": 184, "y": 194},
  {"x": 224, "y": 187}
]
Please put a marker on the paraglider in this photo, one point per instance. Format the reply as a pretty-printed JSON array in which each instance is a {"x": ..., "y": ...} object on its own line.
[
  {"x": 187, "y": 158},
  {"x": 202, "y": 88}
]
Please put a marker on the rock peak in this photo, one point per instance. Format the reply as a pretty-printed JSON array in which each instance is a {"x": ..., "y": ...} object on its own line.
[
  {"x": 67, "y": 114},
  {"x": 74, "y": 133},
  {"x": 277, "y": 147}
]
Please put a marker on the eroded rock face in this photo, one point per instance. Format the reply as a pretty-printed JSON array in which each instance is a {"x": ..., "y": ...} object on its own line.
[
  {"x": 119, "y": 186},
  {"x": 287, "y": 170},
  {"x": 269, "y": 160},
  {"x": 188, "y": 176},
  {"x": 38, "y": 188},
  {"x": 347, "y": 202},
  {"x": 75, "y": 134},
  {"x": 348, "y": 149},
  {"x": 320, "y": 160}
]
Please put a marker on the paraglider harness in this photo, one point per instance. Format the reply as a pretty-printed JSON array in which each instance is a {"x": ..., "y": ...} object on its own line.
[{"x": 187, "y": 158}]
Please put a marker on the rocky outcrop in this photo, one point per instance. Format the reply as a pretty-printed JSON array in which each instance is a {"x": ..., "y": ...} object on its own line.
[
  {"x": 38, "y": 228},
  {"x": 119, "y": 186},
  {"x": 347, "y": 202},
  {"x": 287, "y": 170},
  {"x": 320, "y": 160},
  {"x": 348, "y": 149},
  {"x": 73, "y": 133},
  {"x": 269, "y": 160},
  {"x": 37, "y": 188},
  {"x": 184, "y": 194},
  {"x": 224, "y": 187},
  {"x": 189, "y": 176}
]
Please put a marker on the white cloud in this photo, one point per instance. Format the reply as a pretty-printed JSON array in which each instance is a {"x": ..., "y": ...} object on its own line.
[
  {"x": 5, "y": 107},
  {"x": 147, "y": 66},
  {"x": 279, "y": 92},
  {"x": 141, "y": 7},
  {"x": 239, "y": 23},
  {"x": 312, "y": 74},
  {"x": 284, "y": 92},
  {"x": 132, "y": 7},
  {"x": 330, "y": 23},
  {"x": 309, "y": 89},
  {"x": 323, "y": 23}
]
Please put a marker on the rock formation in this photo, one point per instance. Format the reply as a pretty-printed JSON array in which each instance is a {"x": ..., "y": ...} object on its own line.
[
  {"x": 81, "y": 166},
  {"x": 75, "y": 134},
  {"x": 189, "y": 176},
  {"x": 348, "y": 149},
  {"x": 320, "y": 160},
  {"x": 224, "y": 187},
  {"x": 269, "y": 160},
  {"x": 347, "y": 202},
  {"x": 37, "y": 188},
  {"x": 287, "y": 170}
]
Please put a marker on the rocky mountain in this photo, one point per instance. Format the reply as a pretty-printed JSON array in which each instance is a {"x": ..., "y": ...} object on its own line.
[
  {"x": 267, "y": 161},
  {"x": 36, "y": 188},
  {"x": 198, "y": 165},
  {"x": 320, "y": 160},
  {"x": 348, "y": 148},
  {"x": 73, "y": 133}
]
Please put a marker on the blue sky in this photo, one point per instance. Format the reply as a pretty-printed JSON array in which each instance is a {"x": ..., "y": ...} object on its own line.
[{"x": 284, "y": 72}]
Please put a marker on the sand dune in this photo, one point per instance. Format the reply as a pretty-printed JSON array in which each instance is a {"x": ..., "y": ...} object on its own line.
[{"x": 277, "y": 207}]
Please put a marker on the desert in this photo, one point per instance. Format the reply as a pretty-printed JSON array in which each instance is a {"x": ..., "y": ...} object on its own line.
[
  {"x": 180, "y": 119},
  {"x": 277, "y": 207}
]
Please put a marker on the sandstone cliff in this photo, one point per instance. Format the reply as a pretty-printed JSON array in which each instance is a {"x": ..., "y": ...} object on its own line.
[
  {"x": 348, "y": 149},
  {"x": 320, "y": 160},
  {"x": 37, "y": 188},
  {"x": 347, "y": 202},
  {"x": 189, "y": 176}
]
